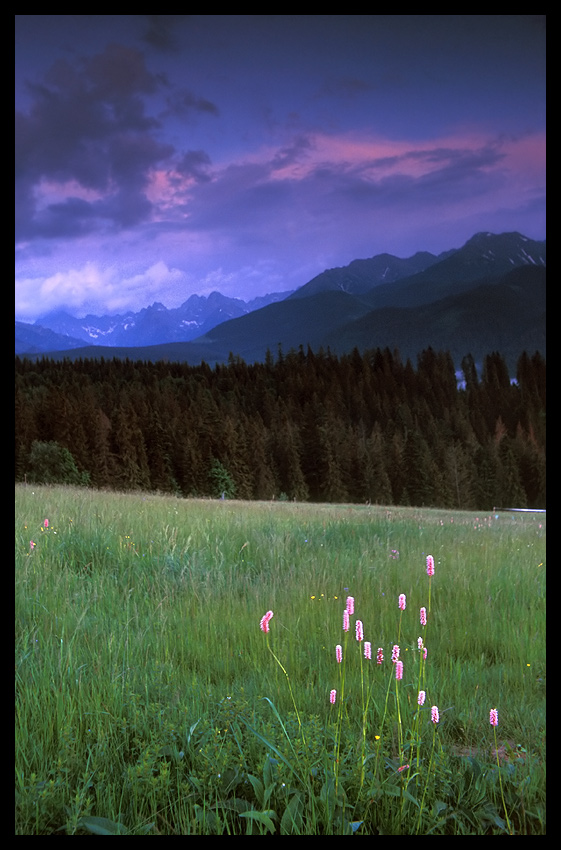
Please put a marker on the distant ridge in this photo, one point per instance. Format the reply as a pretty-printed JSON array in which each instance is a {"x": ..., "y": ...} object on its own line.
[
  {"x": 360, "y": 276},
  {"x": 150, "y": 326},
  {"x": 488, "y": 295}
]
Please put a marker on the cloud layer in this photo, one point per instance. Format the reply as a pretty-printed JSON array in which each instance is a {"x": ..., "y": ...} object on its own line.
[{"x": 133, "y": 183}]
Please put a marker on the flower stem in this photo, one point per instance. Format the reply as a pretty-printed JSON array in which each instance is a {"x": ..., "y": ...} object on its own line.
[
  {"x": 501, "y": 783},
  {"x": 427, "y": 779},
  {"x": 291, "y": 693}
]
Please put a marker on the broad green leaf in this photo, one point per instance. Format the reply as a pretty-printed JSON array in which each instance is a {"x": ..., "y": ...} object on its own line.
[
  {"x": 102, "y": 826},
  {"x": 291, "y": 820},
  {"x": 474, "y": 765},
  {"x": 269, "y": 769},
  {"x": 257, "y": 787},
  {"x": 439, "y": 807},
  {"x": 234, "y": 804},
  {"x": 394, "y": 791},
  {"x": 261, "y": 817},
  {"x": 192, "y": 729}
]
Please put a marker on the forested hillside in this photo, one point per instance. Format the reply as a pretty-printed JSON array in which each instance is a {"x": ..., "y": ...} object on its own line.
[{"x": 358, "y": 428}]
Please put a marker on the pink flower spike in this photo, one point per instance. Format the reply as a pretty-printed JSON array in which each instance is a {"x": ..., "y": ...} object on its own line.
[
  {"x": 379, "y": 655},
  {"x": 32, "y": 545},
  {"x": 420, "y": 643},
  {"x": 350, "y": 605},
  {"x": 265, "y": 621},
  {"x": 346, "y": 620},
  {"x": 430, "y": 565},
  {"x": 395, "y": 653},
  {"x": 399, "y": 669},
  {"x": 46, "y": 523},
  {"x": 333, "y": 696},
  {"x": 367, "y": 650},
  {"x": 402, "y": 601},
  {"x": 494, "y": 717},
  {"x": 423, "y": 616},
  {"x": 359, "y": 631},
  {"x": 339, "y": 653},
  {"x": 434, "y": 715},
  {"x": 424, "y": 653},
  {"x": 421, "y": 698}
]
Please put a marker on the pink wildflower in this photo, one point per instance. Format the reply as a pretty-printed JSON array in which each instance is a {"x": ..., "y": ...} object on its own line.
[
  {"x": 32, "y": 545},
  {"x": 430, "y": 565},
  {"x": 339, "y": 653},
  {"x": 359, "y": 631},
  {"x": 494, "y": 717},
  {"x": 333, "y": 696},
  {"x": 46, "y": 523},
  {"x": 350, "y": 605},
  {"x": 379, "y": 655},
  {"x": 421, "y": 698},
  {"x": 265, "y": 621},
  {"x": 434, "y": 715},
  {"x": 402, "y": 601},
  {"x": 367, "y": 650},
  {"x": 395, "y": 653},
  {"x": 424, "y": 653},
  {"x": 423, "y": 616},
  {"x": 346, "y": 620},
  {"x": 420, "y": 643},
  {"x": 399, "y": 669},
  {"x": 402, "y": 768}
]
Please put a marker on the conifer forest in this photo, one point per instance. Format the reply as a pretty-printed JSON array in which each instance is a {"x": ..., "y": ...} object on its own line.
[{"x": 360, "y": 428}]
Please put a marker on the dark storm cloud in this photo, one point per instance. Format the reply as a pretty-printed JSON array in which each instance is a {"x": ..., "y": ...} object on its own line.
[
  {"x": 452, "y": 176},
  {"x": 292, "y": 153},
  {"x": 250, "y": 151},
  {"x": 291, "y": 200},
  {"x": 194, "y": 164},
  {"x": 73, "y": 217},
  {"x": 87, "y": 124}
]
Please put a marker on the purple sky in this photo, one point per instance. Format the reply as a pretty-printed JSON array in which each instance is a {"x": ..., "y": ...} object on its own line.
[{"x": 159, "y": 156}]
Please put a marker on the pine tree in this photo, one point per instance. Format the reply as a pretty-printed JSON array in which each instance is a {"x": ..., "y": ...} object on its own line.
[
  {"x": 264, "y": 485},
  {"x": 102, "y": 461},
  {"x": 193, "y": 466},
  {"x": 380, "y": 488},
  {"x": 531, "y": 467},
  {"x": 158, "y": 452},
  {"x": 510, "y": 487},
  {"x": 286, "y": 450},
  {"x": 419, "y": 470},
  {"x": 470, "y": 374},
  {"x": 132, "y": 471},
  {"x": 25, "y": 430},
  {"x": 486, "y": 486},
  {"x": 221, "y": 482}
]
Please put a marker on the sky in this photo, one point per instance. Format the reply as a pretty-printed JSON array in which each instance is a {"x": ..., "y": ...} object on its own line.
[{"x": 161, "y": 156}]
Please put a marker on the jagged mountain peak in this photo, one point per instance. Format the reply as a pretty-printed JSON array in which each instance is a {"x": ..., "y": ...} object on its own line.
[
  {"x": 220, "y": 324},
  {"x": 152, "y": 325}
]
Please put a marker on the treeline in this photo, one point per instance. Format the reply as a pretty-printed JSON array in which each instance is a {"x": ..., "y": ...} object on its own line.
[{"x": 304, "y": 426}]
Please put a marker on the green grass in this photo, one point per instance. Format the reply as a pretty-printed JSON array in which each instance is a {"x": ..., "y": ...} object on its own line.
[{"x": 148, "y": 700}]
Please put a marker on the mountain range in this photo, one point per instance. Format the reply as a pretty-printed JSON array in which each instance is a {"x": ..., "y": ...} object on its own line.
[
  {"x": 487, "y": 296},
  {"x": 150, "y": 326}
]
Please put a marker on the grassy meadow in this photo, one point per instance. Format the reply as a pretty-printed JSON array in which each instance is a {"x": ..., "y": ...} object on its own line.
[{"x": 150, "y": 701}]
